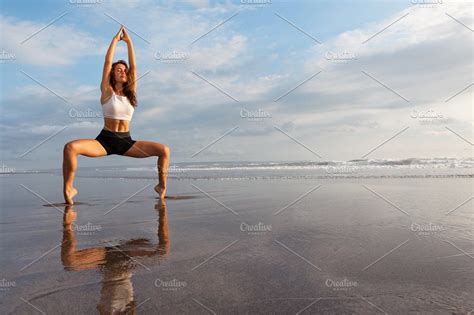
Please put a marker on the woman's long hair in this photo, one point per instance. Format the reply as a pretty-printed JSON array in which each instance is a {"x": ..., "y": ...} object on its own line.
[{"x": 129, "y": 86}]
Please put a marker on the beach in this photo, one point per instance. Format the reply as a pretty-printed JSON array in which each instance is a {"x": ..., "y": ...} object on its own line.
[
  {"x": 316, "y": 157},
  {"x": 266, "y": 242}
]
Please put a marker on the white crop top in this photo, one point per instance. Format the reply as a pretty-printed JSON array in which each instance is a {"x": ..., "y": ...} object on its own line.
[{"x": 118, "y": 107}]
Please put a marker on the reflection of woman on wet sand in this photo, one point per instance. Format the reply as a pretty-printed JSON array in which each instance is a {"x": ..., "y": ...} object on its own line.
[{"x": 115, "y": 262}]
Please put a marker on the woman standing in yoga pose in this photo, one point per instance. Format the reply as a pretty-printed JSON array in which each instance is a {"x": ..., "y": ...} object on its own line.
[{"x": 118, "y": 99}]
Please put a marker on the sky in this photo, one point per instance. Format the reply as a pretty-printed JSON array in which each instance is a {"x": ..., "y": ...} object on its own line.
[{"x": 250, "y": 80}]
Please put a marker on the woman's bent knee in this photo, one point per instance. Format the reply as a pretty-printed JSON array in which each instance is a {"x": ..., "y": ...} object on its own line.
[
  {"x": 70, "y": 147},
  {"x": 163, "y": 150},
  {"x": 166, "y": 151}
]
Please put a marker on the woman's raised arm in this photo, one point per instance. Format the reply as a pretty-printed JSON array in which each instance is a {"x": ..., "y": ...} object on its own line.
[
  {"x": 109, "y": 57},
  {"x": 131, "y": 60}
]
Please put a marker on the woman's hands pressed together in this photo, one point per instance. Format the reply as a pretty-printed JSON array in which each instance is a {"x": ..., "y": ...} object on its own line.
[
  {"x": 123, "y": 35},
  {"x": 126, "y": 38},
  {"x": 119, "y": 35}
]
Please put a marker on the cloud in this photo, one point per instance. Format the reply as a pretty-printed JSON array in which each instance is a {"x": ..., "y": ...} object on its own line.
[
  {"x": 57, "y": 45},
  {"x": 220, "y": 55},
  {"x": 425, "y": 58}
]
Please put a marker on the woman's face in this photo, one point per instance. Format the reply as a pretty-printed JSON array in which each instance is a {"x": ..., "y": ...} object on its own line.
[{"x": 120, "y": 73}]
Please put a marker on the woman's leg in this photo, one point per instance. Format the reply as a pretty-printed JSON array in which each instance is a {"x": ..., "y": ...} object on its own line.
[
  {"x": 143, "y": 149},
  {"x": 86, "y": 147}
]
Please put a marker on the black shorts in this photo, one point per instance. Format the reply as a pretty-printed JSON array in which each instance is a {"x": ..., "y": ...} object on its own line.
[{"x": 115, "y": 142}]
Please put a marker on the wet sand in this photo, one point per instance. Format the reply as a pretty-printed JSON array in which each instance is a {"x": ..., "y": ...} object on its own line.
[{"x": 332, "y": 246}]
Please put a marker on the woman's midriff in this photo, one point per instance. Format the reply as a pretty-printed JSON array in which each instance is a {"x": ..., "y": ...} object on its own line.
[{"x": 116, "y": 125}]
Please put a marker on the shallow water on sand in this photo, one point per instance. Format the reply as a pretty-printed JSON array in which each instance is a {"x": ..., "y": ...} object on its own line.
[{"x": 326, "y": 246}]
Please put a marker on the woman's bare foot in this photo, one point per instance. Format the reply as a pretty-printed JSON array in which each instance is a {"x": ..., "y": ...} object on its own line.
[
  {"x": 69, "y": 193},
  {"x": 161, "y": 190}
]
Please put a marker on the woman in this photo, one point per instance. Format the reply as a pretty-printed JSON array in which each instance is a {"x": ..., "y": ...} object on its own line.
[{"x": 118, "y": 99}]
